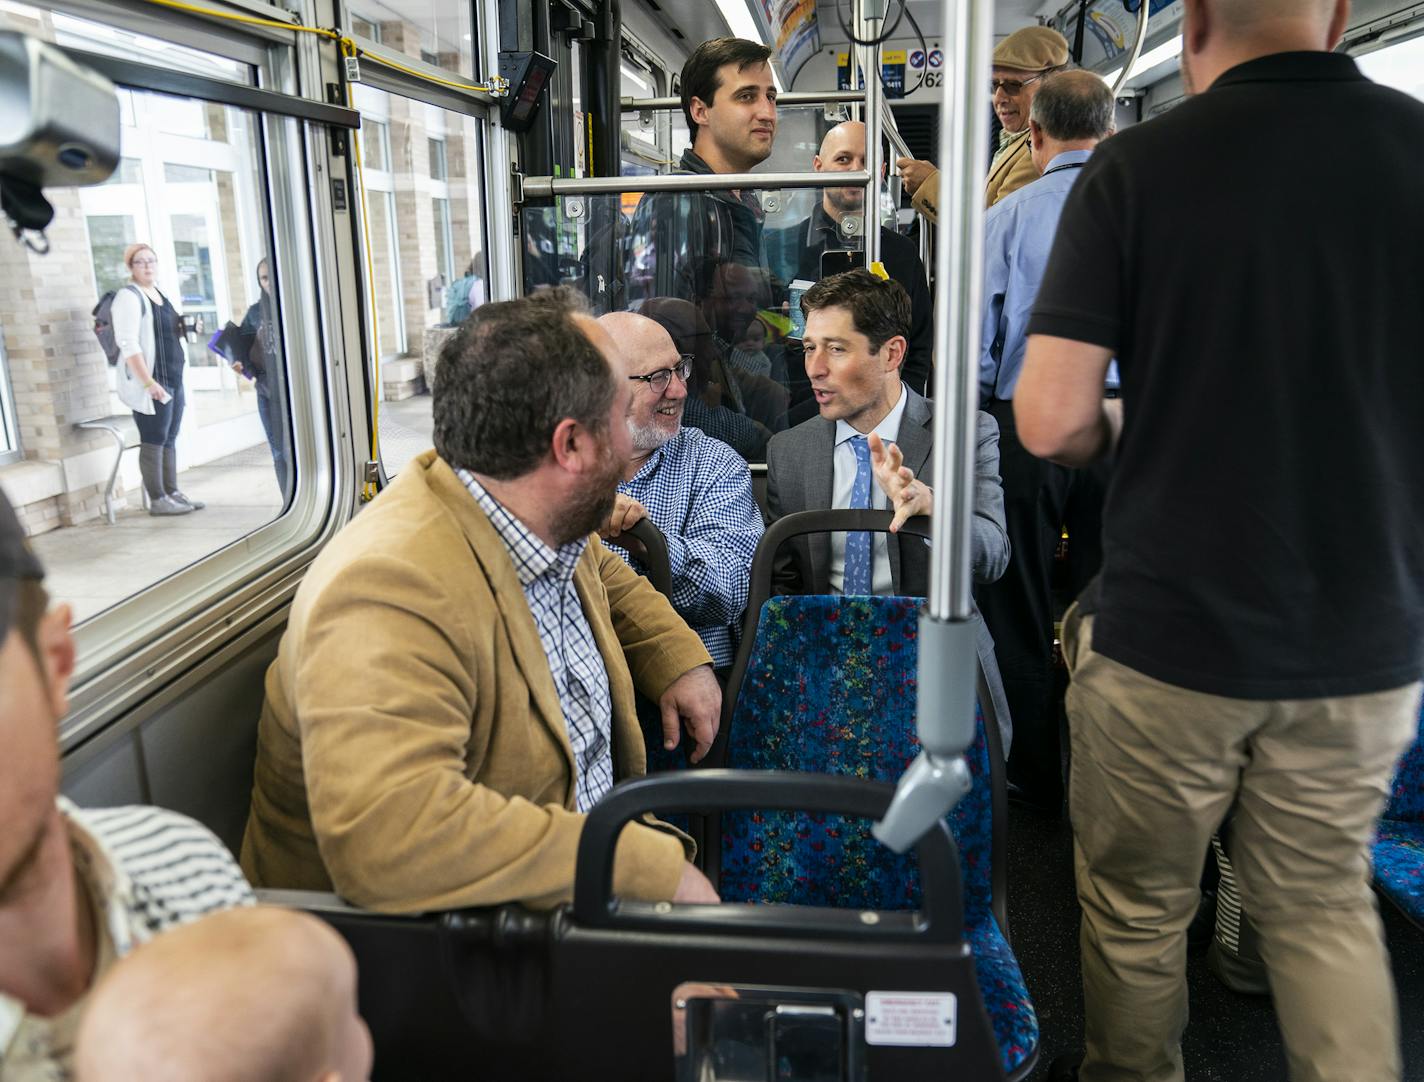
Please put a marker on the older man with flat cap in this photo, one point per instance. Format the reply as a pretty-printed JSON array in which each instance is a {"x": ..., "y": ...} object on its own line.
[{"x": 1021, "y": 61}]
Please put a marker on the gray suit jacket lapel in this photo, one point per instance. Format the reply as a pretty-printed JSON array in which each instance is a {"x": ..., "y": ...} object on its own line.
[
  {"x": 820, "y": 490},
  {"x": 915, "y": 442},
  {"x": 917, "y": 435}
]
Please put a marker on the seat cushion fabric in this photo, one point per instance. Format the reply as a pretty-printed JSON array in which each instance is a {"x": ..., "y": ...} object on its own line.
[
  {"x": 1406, "y": 797},
  {"x": 831, "y": 688},
  {"x": 1399, "y": 866}
]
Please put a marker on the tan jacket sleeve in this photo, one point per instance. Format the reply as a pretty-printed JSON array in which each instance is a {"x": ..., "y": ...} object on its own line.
[
  {"x": 926, "y": 198},
  {"x": 1015, "y": 173},
  {"x": 658, "y": 644},
  {"x": 390, "y": 690}
]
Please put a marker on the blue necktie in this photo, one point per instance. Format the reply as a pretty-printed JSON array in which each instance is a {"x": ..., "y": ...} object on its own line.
[{"x": 857, "y": 550}]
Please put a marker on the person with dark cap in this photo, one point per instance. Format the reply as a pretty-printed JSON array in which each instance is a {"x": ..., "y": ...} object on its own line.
[
  {"x": 1021, "y": 61},
  {"x": 78, "y": 888}
]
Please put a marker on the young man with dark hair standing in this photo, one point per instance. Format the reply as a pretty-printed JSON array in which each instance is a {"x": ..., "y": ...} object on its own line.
[
  {"x": 870, "y": 428},
  {"x": 729, "y": 101}
]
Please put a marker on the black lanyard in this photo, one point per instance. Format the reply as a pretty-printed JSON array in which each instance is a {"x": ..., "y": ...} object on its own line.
[{"x": 1065, "y": 165}]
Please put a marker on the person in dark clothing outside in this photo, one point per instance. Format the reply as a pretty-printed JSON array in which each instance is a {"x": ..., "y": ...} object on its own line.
[
  {"x": 148, "y": 331},
  {"x": 263, "y": 365}
]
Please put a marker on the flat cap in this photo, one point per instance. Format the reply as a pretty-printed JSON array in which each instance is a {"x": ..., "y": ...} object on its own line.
[{"x": 1034, "y": 48}]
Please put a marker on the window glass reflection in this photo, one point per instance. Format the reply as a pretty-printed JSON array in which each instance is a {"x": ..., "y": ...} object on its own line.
[
  {"x": 190, "y": 190},
  {"x": 427, "y": 245},
  {"x": 438, "y": 32},
  {"x": 723, "y": 272}
]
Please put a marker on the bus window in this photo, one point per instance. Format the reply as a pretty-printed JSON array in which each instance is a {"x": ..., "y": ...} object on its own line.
[
  {"x": 191, "y": 189},
  {"x": 1400, "y": 66},
  {"x": 725, "y": 292},
  {"x": 441, "y": 35},
  {"x": 426, "y": 233}
]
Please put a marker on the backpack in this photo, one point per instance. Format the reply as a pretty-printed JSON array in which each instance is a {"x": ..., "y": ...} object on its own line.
[{"x": 104, "y": 326}]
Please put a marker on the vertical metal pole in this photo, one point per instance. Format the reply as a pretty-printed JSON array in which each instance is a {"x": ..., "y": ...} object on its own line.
[
  {"x": 958, "y": 308},
  {"x": 871, "y": 18},
  {"x": 948, "y": 667},
  {"x": 603, "y": 103},
  {"x": 499, "y": 209}
]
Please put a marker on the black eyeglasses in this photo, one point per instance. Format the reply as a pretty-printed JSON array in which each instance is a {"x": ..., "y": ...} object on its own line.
[
  {"x": 1012, "y": 87},
  {"x": 660, "y": 379}
]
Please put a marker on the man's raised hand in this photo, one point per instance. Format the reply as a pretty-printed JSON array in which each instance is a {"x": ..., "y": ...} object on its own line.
[{"x": 908, "y": 497}]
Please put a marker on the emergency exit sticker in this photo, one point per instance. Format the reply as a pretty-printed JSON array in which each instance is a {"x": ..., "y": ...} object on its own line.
[{"x": 919, "y": 1019}]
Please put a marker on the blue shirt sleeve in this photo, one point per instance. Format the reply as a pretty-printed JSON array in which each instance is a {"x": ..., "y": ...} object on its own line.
[
  {"x": 711, "y": 555},
  {"x": 996, "y": 285}
]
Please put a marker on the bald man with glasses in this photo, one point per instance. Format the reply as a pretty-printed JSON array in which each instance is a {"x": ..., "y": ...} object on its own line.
[{"x": 694, "y": 488}]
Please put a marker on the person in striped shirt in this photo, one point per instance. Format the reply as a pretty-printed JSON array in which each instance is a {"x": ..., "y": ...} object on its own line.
[{"x": 79, "y": 888}]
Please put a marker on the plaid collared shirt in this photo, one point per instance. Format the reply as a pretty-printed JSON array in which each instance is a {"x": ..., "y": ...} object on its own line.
[
  {"x": 547, "y": 577},
  {"x": 698, "y": 492}
]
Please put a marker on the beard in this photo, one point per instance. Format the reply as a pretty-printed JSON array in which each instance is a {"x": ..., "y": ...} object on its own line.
[
  {"x": 846, "y": 200},
  {"x": 649, "y": 437},
  {"x": 589, "y": 508}
]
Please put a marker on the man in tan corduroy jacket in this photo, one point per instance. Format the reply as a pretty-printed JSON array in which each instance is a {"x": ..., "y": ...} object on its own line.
[
  {"x": 456, "y": 678},
  {"x": 1021, "y": 61}
]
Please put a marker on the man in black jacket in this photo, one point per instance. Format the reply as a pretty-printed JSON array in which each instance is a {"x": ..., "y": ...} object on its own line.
[
  {"x": 795, "y": 252},
  {"x": 729, "y": 100}
]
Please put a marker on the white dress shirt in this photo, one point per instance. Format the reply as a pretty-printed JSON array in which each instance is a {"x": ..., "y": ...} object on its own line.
[{"x": 843, "y": 480}]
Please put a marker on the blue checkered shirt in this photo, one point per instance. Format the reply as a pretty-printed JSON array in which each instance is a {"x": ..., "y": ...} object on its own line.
[
  {"x": 698, "y": 492},
  {"x": 547, "y": 576}
]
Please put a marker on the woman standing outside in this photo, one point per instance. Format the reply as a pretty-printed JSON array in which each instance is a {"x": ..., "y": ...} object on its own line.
[{"x": 150, "y": 379}]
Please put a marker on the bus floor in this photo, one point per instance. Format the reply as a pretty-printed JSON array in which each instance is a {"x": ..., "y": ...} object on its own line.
[{"x": 1230, "y": 1038}]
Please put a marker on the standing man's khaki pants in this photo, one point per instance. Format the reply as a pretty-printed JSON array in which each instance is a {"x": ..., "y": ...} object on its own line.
[{"x": 1155, "y": 769}]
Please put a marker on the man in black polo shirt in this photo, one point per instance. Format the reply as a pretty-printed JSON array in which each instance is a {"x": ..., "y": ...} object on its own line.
[
  {"x": 795, "y": 252},
  {"x": 1256, "y": 637}
]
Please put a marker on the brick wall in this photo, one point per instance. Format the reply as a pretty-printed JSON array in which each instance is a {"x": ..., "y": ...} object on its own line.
[
  {"x": 415, "y": 220},
  {"x": 57, "y": 372}
]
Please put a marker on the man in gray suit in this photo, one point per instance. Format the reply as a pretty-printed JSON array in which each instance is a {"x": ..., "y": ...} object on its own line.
[{"x": 870, "y": 447}]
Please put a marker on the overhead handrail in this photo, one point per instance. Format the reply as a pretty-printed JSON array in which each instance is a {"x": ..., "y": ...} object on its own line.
[
  {"x": 868, "y": 27},
  {"x": 892, "y": 130},
  {"x": 1142, "y": 16},
  {"x": 548, "y": 187},
  {"x": 809, "y": 97}
]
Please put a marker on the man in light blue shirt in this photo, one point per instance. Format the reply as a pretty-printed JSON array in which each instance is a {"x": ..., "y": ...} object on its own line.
[
  {"x": 1071, "y": 113},
  {"x": 694, "y": 488}
]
